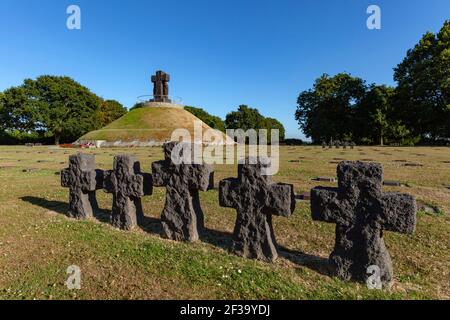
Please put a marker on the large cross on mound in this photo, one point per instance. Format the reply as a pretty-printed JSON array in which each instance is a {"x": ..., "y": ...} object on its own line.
[
  {"x": 361, "y": 212},
  {"x": 182, "y": 216},
  {"x": 127, "y": 184},
  {"x": 161, "y": 87},
  {"x": 82, "y": 179},
  {"x": 256, "y": 199}
]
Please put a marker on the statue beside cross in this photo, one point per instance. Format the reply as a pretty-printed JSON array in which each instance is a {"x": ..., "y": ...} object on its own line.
[
  {"x": 161, "y": 87},
  {"x": 256, "y": 199},
  {"x": 361, "y": 212}
]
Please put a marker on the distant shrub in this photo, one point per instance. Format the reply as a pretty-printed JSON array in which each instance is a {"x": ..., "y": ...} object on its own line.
[
  {"x": 294, "y": 142},
  {"x": 17, "y": 137}
]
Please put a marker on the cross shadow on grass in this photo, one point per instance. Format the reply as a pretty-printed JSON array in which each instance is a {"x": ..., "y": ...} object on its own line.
[
  {"x": 221, "y": 239},
  {"x": 151, "y": 225},
  {"x": 148, "y": 224},
  {"x": 224, "y": 240},
  {"x": 62, "y": 207},
  {"x": 315, "y": 263}
]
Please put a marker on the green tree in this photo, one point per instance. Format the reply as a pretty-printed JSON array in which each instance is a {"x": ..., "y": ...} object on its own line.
[
  {"x": 271, "y": 123},
  {"x": 109, "y": 111},
  {"x": 244, "y": 118},
  {"x": 65, "y": 108},
  {"x": 17, "y": 111},
  {"x": 212, "y": 121},
  {"x": 423, "y": 93},
  {"x": 374, "y": 114},
  {"x": 327, "y": 111},
  {"x": 2, "y": 112}
]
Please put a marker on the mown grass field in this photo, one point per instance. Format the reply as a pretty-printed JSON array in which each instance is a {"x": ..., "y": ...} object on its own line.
[{"x": 38, "y": 243}]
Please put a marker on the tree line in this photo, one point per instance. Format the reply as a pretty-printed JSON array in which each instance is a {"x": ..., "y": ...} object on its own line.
[
  {"x": 244, "y": 118},
  {"x": 53, "y": 109},
  {"x": 417, "y": 110}
]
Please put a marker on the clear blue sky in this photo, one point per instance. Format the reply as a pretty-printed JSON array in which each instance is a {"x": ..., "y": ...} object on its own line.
[{"x": 220, "y": 53}]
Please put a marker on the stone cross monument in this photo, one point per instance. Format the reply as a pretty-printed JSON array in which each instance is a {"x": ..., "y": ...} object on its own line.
[
  {"x": 361, "y": 212},
  {"x": 182, "y": 217},
  {"x": 256, "y": 198},
  {"x": 82, "y": 179},
  {"x": 161, "y": 87},
  {"x": 127, "y": 184}
]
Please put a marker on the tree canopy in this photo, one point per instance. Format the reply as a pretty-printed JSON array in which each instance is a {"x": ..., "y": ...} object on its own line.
[
  {"x": 423, "y": 92},
  {"x": 110, "y": 110},
  {"x": 212, "y": 121},
  {"x": 57, "y": 107},
  {"x": 328, "y": 110},
  {"x": 346, "y": 108},
  {"x": 246, "y": 118}
]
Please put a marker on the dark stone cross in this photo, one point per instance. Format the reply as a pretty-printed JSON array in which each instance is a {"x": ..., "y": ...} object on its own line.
[
  {"x": 256, "y": 199},
  {"x": 362, "y": 212},
  {"x": 337, "y": 144},
  {"x": 161, "y": 87},
  {"x": 127, "y": 184},
  {"x": 182, "y": 217},
  {"x": 82, "y": 179}
]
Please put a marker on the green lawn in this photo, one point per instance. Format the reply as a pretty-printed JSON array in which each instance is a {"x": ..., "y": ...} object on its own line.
[{"x": 38, "y": 243}]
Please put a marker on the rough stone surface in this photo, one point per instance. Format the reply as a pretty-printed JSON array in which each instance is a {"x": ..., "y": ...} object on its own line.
[
  {"x": 127, "y": 184},
  {"x": 361, "y": 212},
  {"x": 182, "y": 217},
  {"x": 82, "y": 179},
  {"x": 256, "y": 199},
  {"x": 161, "y": 87}
]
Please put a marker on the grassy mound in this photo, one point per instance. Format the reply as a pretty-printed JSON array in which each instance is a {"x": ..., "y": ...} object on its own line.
[{"x": 146, "y": 124}]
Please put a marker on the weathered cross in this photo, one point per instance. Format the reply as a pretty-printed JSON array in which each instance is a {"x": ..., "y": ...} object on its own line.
[
  {"x": 182, "y": 216},
  {"x": 256, "y": 199},
  {"x": 127, "y": 184},
  {"x": 161, "y": 87},
  {"x": 82, "y": 179},
  {"x": 361, "y": 212}
]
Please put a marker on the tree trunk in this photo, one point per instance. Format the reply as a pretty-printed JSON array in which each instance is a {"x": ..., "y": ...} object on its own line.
[{"x": 57, "y": 138}]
